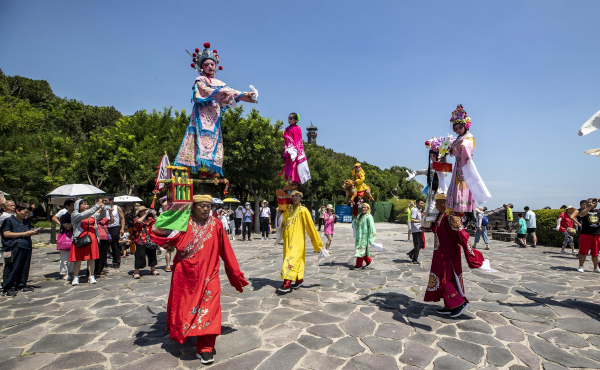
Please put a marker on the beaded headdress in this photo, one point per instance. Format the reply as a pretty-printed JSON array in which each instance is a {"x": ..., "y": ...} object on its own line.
[
  {"x": 198, "y": 58},
  {"x": 459, "y": 116}
]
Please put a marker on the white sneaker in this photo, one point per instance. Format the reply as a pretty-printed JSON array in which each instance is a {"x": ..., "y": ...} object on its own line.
[
  {"x": 564, "y": 252},
  {"x": 580, "y": 269},
  {"x": 75, "y": 280},
  {"x": 597, "y": 269},
  {"x": 66, "y": 277},
  {"x": 92, "y": 279}
]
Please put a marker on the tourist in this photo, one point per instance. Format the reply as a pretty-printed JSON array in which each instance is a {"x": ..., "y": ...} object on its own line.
[
  {"x": 9, "y": 210},
  {"x": 247, "y": 222},
  {"x": 239, "y": 216},
  {"x": 578, "y": 220},
  {"x": 265, "y": 220},
  {"x": 482, "y": 223},
  {"x": 104, "y": 241},
  {"x": 329, "y": 218},
  {"x": 58, "y": 215},
  {"x": 144, "y": 247},
  {"x": 64, "y": 240},
  {"x": 194, "y": 306},
  {"x": 522, "y": 231},
  {"x": 295, "y": 225},
  {"x": 508, "y": 216},
  {"x": 224, "y": 218},
  {"x": 28, "y": 219},
  {"x": 231, "y": 216},
  {"x": 313, "y": 214},
  {"x": 589, "y": 239},
  {"x": 115, "y": 229},
  {"x": 16, "y": 250},
  {"x": 365, "y": 237},
  {"x": 322, "y": 212},
  {"x": 129, "y": 216},
  {"x": 164, "y": 204},
  {"x": 446, "y": 278},
  {"x": 85, "y": 237},
  {"x": 408, "y": 211},
  {"x": 564, "y": 225},
  {"x": 417, "y": 233},
  {"x": 531, "y": 225}
]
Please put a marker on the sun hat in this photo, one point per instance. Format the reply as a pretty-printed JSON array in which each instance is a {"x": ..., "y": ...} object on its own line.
[{"x": 329, "y": 206}]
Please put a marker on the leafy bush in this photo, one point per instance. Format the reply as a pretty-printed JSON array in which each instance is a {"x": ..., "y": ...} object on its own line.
[
  {"x": 545, "y": 223},
  {"x": 399, "y": 210},
  {"x": 43, "y": 223}
]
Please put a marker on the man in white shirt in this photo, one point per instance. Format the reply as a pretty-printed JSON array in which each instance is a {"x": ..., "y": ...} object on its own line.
[
  {"x": 417, "y": 233},
  {"x": 265, "y": 219},
  {"x": 239, "y": 213},
  {"x": 321, "y": 217},
  {"x": 531, "y": 225}
]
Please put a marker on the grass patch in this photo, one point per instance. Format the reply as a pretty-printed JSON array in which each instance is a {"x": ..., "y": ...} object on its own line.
[{"x": 43, "y": 223}]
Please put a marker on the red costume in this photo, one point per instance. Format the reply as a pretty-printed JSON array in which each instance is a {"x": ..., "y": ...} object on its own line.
[
  {"x": 445, "y": 277},
  {"x": 194, "y": 307}
]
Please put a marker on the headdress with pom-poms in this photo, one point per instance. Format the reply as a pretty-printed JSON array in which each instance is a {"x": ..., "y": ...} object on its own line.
[
  {"x": 198, "y": 58},
  {"x": 459, "y": 116}
]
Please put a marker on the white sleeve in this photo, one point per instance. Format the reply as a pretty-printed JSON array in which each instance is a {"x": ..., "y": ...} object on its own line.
[{"x": 475, "y": 183}]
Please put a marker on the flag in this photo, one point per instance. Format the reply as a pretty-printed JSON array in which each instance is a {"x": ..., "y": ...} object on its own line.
[
  {"x": 163, "y": 172},
  {"x": 590, "y": 125}
]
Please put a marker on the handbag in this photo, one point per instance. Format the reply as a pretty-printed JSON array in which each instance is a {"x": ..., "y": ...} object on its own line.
[
  {"x": 64, "y": 241},
  {"x": 150, "y": 244},
  {"x": 82, "y": 241}
]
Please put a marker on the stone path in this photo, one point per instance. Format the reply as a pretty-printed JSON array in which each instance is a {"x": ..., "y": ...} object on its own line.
[{"x": 536, "y": 312}]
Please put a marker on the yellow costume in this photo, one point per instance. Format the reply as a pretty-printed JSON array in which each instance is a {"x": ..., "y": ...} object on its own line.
[
  {"x": 296, "y": 223},
  {"x": 359, "y": 178}
]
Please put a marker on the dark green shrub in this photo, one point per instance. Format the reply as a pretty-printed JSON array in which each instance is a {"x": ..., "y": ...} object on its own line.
[
  {"x": 545, "y": 223},
  {"x": 399, "y": 210}
]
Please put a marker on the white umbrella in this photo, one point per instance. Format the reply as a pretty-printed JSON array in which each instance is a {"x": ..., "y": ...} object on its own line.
[
  {"x": 217, "y": 201},
  {"x": 127, "y": 199},
  {"x": 72, "y": 190}
]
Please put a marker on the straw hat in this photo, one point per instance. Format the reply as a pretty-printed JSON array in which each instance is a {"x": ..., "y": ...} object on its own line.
[
  {"x": 140, "y": 209},
  {"x": 329, "y": 206}
]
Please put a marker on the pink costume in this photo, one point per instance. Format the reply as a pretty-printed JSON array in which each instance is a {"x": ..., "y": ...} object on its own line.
[
  {"x": 296, "y": 167},
  {"x": 202, "y": 146}
]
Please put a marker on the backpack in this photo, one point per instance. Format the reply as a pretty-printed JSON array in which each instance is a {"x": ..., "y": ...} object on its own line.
[{"x": 484, "y": 221}]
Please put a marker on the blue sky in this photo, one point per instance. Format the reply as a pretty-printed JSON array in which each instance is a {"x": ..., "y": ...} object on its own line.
[{"x": 378, "y": 79}]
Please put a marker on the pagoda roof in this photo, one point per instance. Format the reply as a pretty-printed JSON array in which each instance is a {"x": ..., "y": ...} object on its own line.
[{"x": 311, "y": 127}]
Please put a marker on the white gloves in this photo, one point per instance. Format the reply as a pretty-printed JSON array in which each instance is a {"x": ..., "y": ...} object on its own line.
[
  {"x": 255, "y": 92},
  {"x": 377, "y": 246},
  {"x": 411, "y": 175},
  {"x": 323, "y": 254},
  {"x": 293, "y": 153}
]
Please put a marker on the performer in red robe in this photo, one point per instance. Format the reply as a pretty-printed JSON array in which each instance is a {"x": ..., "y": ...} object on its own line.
[
  {"x": 194, "y": 308},
  {"x": 445, "y": 277}
]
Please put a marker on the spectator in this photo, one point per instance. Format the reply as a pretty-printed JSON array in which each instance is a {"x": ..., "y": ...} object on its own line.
[
  {"x": 531, "y": 225},
  {"x": 16, "y": 250},
  {"x": 116, "y": 229},
  {"x": 578, "y": 220},
  {"x": 64, "y": 241},
  {"x": 9, "y": 210},
  {"x": 231, "y": 216},
  {"x": 104, "y": 241},
  {"x": 224, "y": 218},
  {"x": 408, "y": 211},
  {"x": 27, "y": 221},
  {"x": 561, "y": 207},
  {"x": 417, "y": 233},
  {"x": 482, "y": 223},
  {"x": 265, "y": 220},
  {"x": 522, "y": 232},
  {"x": 322, "y": 212},
  {"x": 84, "y": 220},
  {"x": 509, "y": 215},
  {"x": 329, "y": 218},
  {"x": 564, "y": 225},
  {"x": 60, "y": 213},
  {"x": 247, "y": 222},
  {"x": 239, "y": 215},
  {"x": 313, "y": 214},
  {"x": 589, "y": 239},
  {"x": 143, "y": 246}
]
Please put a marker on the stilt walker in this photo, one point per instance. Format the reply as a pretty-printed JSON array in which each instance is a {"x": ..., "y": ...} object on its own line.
[{"x": 295, "y": 170}]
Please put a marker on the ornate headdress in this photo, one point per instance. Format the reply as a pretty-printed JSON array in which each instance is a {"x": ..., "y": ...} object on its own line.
[
  {"x": 203, "y": 198},
  {"x": 198, "y": 58},
  {"x": 459, "y": 116}
]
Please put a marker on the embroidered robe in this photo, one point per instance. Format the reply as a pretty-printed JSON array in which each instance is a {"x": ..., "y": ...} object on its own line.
[{"x": 194, "y": 307}]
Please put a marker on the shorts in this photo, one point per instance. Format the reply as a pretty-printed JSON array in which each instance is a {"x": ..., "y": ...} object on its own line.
[
  {"x": 530, "y": 230},
  {"x": 521, "y": 236},
  {"x": 589, "y": 243}
]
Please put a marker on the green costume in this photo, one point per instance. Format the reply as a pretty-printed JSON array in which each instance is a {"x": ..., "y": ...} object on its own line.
[{"x": 365, "y": 234}]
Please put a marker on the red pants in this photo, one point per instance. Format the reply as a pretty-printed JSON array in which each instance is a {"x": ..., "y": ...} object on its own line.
[
  {"x": 589, "y": 243},
  {"x": 359, "y": 260},
  {"x": 451, "y": 296},
  {"x": 205, "y": 343},
  {"x": 288, "y": 283}
]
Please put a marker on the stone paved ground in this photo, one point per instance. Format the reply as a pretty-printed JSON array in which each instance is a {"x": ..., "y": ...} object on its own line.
[{"x": 536, "y": 312}]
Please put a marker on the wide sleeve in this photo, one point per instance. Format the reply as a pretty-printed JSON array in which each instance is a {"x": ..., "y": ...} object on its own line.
[
  {"x": 459, "y": 234},
  {"x": 78, "y": 217},
  {"x": 372, "y": 232},
  {"x": 466, "y": 150},
  {"x": 174, "y": 239},
  {"x": 310, "y": 229},
  {"x": 232, "y": 268},
  {"x": 224, "y": 95}
]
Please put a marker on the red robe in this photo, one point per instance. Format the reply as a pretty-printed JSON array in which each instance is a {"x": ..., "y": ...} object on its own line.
[
  {"x": 445, "y": 277},
  {"x": 194, "y": 307}
]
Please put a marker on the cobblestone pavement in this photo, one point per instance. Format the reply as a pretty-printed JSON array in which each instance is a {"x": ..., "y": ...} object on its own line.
[{"x": 536, "y": 312}]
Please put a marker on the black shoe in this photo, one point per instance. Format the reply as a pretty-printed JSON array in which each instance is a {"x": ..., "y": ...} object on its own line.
[
  {"x": 282, "y": 290},
  {"x": 297, "y": 285},
  {"x": 10, "y": 293},
  {"x": 457, "y": 311},
  {"x": 415, "y": 262},
  {"x": 444, "y": 311},
  {"x": 368, "y": 264},
  {"x": 26, "y": 288},
  {"x": 205, "y": 357}
]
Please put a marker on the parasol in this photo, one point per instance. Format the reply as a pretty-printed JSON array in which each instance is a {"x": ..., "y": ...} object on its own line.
[
  {"x": 127, "y": 199},
  {"x": 73, "y": 190},
  {"x": 231, "y": 200}
]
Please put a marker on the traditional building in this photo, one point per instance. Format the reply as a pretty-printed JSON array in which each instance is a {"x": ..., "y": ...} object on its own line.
[{"x": 312, "y": 134}]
